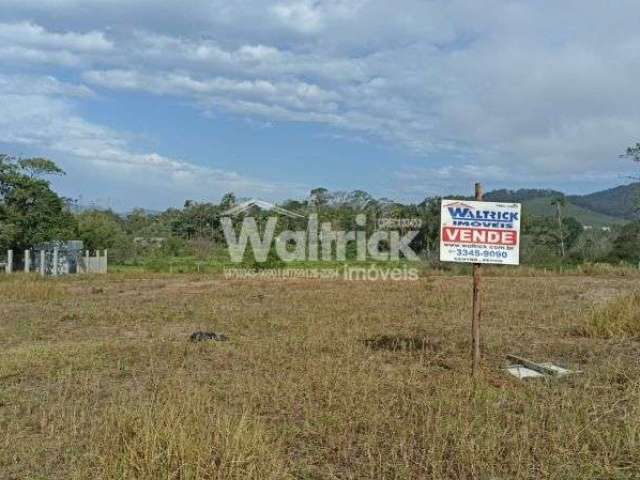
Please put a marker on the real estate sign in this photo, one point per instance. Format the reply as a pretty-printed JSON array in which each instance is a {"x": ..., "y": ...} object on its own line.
[{"x": 480, "y": 232}]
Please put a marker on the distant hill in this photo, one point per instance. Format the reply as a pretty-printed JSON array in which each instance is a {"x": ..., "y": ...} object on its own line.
[
  {"x": 520, "y": 196},
  {"x": 617, "y": 202},
  {"x": 606, "y": 208},
  {"x": 542, "y": 207}
]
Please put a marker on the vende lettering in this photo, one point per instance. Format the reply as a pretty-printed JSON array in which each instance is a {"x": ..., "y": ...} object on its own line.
[{"x": 480, "y": 236}]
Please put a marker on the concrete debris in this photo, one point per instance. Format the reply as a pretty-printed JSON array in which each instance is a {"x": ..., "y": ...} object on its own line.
[
  {"x": 206, "y": 336},
  {"x": 523, "y": 368}
]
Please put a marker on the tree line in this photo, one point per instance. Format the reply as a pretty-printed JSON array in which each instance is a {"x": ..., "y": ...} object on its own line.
[{"x": 32, "y": 213}]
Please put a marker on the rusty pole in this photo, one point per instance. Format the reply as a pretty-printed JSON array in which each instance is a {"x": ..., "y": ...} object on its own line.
[{"x": 477, "y": 304}]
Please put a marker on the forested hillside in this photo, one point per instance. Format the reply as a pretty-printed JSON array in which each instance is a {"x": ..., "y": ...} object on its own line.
[
  {"x": 607, "y": 208},
  {"x": 621, "y": 202}
]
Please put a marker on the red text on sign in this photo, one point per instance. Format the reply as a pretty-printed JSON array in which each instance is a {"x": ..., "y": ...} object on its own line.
[{"x": 480, "y": 236}]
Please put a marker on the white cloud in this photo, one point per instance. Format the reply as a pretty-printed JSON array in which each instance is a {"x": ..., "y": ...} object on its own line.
[
  {"x": 309, "y": 16},
  {"x": 535, "y": 89},
  {"x": 209, "y": 57},
  {"x": 41, "y": 85},
  {"x": 38, "y": 113},
  {"x": 21, "y": 55},
  {"x": 29, "y": 34},
  {"x": 25, "y": 42},
  {"x": 294, "y": 94}
]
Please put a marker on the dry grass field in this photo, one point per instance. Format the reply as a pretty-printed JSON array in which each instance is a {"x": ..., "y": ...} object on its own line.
[{"x": 320, "y": 379}]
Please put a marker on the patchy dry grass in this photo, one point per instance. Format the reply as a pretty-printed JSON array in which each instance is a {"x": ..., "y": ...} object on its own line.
[
  {"x": 321, "y": 380},
  {"x": 28, "y": 288},
  {"x": 619, "y": 317},
  {"x": 181, "y": 432}
]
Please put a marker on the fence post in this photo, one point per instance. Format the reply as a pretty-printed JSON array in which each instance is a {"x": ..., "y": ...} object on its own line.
[
  {"x": 8, "y": 268},
  {"x": 27, "y": 261},
  {"x": 43, "y": 263},
  {"x": 105, "y": 261},
  {"x": 86, "y": 261},
  {"x": 54, "y": 271}
]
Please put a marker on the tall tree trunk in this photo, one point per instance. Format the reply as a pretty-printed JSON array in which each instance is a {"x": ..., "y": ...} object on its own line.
[{"x": 560, "y": 229}]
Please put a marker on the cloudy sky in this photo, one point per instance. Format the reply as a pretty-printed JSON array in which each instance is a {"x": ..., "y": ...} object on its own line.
[{"x": 149, "y": 103}]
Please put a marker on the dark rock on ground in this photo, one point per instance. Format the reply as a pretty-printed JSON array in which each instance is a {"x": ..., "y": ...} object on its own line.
[{"x": 205, "y": 336}]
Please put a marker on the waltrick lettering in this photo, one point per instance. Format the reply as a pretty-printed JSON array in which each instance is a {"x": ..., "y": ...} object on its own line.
[
  {"x": 319, "y": 241},
  {"x": 468, "y": 217}
]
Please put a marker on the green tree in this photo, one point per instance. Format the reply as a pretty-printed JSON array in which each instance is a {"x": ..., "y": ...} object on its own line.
[
  {"x": 30, "y": 211},
  {"x": 573, "y": 230},
  {"x": 626, "y": 244},
  {"x": 138, "y": 222},
  {"x": 319, "y": 197},
  {"x": 429, "y": 214},
  {"x": 195, "y": 221},
  {"x": 38, "y": 166},
  {"x": 103, "y": 229},
  {"x": 541, "y": 237},
  {"x": 592, "y": 246},
  {"x": 633, "y": 153},
  {"x": 228, "y": 201}
]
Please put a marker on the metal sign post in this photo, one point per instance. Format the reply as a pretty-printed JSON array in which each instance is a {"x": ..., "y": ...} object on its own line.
[
  {"x": 477, "y": 304},
  {"x": 479, "y": 232}
]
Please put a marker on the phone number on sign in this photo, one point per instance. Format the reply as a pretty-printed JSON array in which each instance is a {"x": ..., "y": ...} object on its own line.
[{"x": 464, "y": 252}]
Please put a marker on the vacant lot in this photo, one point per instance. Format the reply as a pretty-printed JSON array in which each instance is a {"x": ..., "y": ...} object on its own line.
[{"x": 320, "y": 379}]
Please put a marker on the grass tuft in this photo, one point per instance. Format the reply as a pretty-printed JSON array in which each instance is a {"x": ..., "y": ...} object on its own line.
[
  {"x": 28, "y": 288},
  {"x": 619, "y": 317},
  {"x": 180, "y": 433}
]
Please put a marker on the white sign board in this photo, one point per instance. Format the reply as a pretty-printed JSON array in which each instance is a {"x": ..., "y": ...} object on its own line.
[{"x": 480, "y": 232}]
